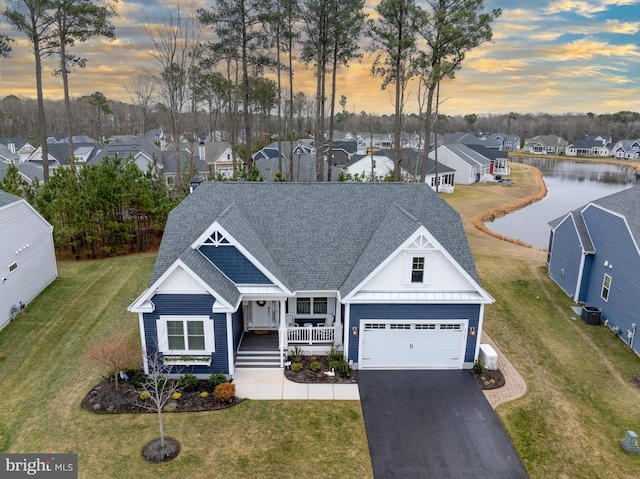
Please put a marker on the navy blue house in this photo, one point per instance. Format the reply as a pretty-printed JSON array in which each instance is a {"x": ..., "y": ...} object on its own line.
[
  {"x": 594, "y": 257},
  {"x": 381, "y": 271}
]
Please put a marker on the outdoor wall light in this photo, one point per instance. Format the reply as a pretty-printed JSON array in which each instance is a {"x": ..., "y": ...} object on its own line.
[
  {"x": 606, "y": 263},
  {"x": 472, "y": 331},
  {"x": 354, "y": 331}
]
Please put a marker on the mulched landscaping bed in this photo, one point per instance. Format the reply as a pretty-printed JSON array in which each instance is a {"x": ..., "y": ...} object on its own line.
[
  {"x": 489, "y": 379},
  {"x": 105, "y": 399},
  {"x": 306, "y": 375}
]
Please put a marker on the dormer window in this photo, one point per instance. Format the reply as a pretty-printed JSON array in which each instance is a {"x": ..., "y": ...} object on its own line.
[{"x": 417, "y": 269}]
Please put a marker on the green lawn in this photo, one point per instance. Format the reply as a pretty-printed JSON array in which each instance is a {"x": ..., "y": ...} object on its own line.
[
  {"x": 44, "y": 378},
  {"x": 579, "y": 402},
  {"x": 569, "y": 424}
]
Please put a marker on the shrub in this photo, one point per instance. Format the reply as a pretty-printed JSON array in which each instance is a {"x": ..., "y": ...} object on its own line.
[
  {"x": 188, "y": 382},
  {"x": 204, "y": 394},
  {"x": 176, "y": 395},
  {"x": 224, "y": 392},
  {"x": 296, "y": 354},
  {"x": 144, "y": 395},
  {"x": 215, "y": 379},
  {"x": 315, "y": 366},
  {"x": 478, "y": 367},
  {"x": 296, "y": 367},
  {"x": 334, "y": 354},
  {"x": 137, "y": 379},
  {"x": 334, "y": 364},
  {"x": 344, "y": 369}
]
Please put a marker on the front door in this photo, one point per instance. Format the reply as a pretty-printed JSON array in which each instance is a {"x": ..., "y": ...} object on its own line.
[{"x": 264, "y": 315}]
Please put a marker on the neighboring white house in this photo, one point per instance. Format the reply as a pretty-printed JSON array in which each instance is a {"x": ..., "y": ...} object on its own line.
[
  {"x": 366, "y": 165},
  {"x": 468, "y": 164},
  {"x": 27, "y": 256}
]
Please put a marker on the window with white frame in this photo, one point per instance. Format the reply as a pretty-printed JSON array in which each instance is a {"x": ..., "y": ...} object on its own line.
[
  {"x": 13, "y": 266},
  {"x": 312, "y": 305},
  {"x": 185, "y": 334},
  {"x": 606, "y": 287},
  {"x": 417, "y": 269}
]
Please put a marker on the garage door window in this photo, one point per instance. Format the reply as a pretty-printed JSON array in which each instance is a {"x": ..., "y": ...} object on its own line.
[
  {"x": 449, "y": 326},
  {"x": 425, "y": 326}
]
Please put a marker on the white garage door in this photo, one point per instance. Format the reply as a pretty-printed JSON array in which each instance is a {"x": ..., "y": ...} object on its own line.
[{"x": 412, "y": 344}]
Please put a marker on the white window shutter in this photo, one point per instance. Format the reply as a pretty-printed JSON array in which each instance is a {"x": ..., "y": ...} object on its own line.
[
  {"x": 163, "y": 337},
  {"x": 209, "y": 338},
  {"x": 407, "y": 265},
  {"x": 429, "y": 261}
]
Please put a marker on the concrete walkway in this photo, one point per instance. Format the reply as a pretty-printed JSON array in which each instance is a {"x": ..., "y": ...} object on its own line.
[{"x": 271, "y": 384}]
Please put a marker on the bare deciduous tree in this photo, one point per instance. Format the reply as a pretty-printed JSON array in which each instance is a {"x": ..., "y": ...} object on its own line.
[
  {"x": 115, "y": 354},
  {"x": 175, "y": 40},
  {"x": 159, "y": 388},
  {"x": 142, "y": 93}
]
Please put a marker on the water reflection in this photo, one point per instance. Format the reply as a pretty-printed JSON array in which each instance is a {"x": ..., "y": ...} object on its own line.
[{"x": 570, "y": 185}]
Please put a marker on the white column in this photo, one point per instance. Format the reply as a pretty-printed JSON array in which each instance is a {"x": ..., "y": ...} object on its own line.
[{"x": 338, "y": 325}]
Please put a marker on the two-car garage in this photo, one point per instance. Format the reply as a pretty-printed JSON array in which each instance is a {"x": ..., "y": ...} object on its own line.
[{"x": 412, "y": 344}]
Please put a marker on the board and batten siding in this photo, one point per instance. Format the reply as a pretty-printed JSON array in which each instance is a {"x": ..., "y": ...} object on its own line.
[
  {"x": 614, "y": 244},
  {"x": 470, "y": 312},
  {"x": 36, "y": 264},
  {"x": 566, "y": 255},
  {"x": 234, "y": 264},
  {"x": 396, "y": 276},
  {"x": 187, "y": 305}
]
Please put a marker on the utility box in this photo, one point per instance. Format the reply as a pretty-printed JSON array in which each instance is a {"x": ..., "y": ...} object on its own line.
[
  {"x": 488, "y": 356},
  {"x": 591, "y": 315}
]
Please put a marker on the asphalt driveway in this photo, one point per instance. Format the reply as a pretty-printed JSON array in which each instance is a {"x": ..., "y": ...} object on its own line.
[{"x": 434, "y": 424}]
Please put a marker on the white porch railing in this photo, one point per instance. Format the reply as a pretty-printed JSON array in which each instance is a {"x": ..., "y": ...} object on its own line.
[
  {"x": 311, "y": 335},
  {"x": 502, "y": 171}
]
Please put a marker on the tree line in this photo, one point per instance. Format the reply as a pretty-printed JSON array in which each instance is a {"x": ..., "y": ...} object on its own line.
[
  {"x": 100, "y": 210},
  {"x": 415, "y": 42}
]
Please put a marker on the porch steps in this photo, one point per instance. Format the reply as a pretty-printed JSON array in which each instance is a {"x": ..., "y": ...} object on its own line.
[{"x": 258, "y": 359}]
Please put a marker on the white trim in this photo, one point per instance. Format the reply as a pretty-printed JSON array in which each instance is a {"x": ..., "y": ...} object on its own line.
[
  {"x": 479, "y": 331},
  {"x": 606, "y": 275},
  {"x": 143, "y": 340},
  {"x": 163, "y": 336},
  {"x": 138, "y": 305},
  {"x": 230, "y": 350},
  {"x": 347, "y": 331},
  {"x": 215, "y": 226},
  {"x": 422, "y": 231}
]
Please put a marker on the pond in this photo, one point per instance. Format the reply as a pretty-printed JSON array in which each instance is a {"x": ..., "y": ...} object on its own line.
[{"x": 570, "y": 185}]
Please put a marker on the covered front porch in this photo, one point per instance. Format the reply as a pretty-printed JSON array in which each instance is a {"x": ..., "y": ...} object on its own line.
[{"x": 312, "y": 328}]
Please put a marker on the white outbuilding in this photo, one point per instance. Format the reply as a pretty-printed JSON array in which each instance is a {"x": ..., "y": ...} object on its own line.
[{"x": 27, "y": 256}]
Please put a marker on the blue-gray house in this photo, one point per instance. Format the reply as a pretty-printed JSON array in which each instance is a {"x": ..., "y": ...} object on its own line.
[
  {"x": 594, "y": 257},
  {"x": 383, "y": 271}
]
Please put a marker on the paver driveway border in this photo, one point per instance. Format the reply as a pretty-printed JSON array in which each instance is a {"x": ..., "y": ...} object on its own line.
[{"x": 434, "y": 424}]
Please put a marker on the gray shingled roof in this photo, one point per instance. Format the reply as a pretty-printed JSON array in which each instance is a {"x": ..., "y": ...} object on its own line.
[
  {"x": 625, "y": 203},
  {"x": 315, "y": 236},
  {"x": 7, "y": 198}
]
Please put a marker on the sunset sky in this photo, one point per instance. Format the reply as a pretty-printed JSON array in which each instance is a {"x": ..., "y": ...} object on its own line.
[{"x": 552, "y": 56}]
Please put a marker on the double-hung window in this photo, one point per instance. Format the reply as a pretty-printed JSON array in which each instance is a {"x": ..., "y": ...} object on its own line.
[
  {"x": 311, "y": 305},
  {"x": 185, "y": 334},
  {"x": 417, "y": 269},
  {"x": 606, "y": 287}
]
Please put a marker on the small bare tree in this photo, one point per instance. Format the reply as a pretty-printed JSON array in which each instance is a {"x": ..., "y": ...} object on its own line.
[
  {"x": 115, "y": 354},
  {"x": 159, "y": 388}
]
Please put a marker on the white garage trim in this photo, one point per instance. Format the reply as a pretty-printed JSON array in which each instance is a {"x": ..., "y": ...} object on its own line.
[{"x": 412, "y": 344}]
